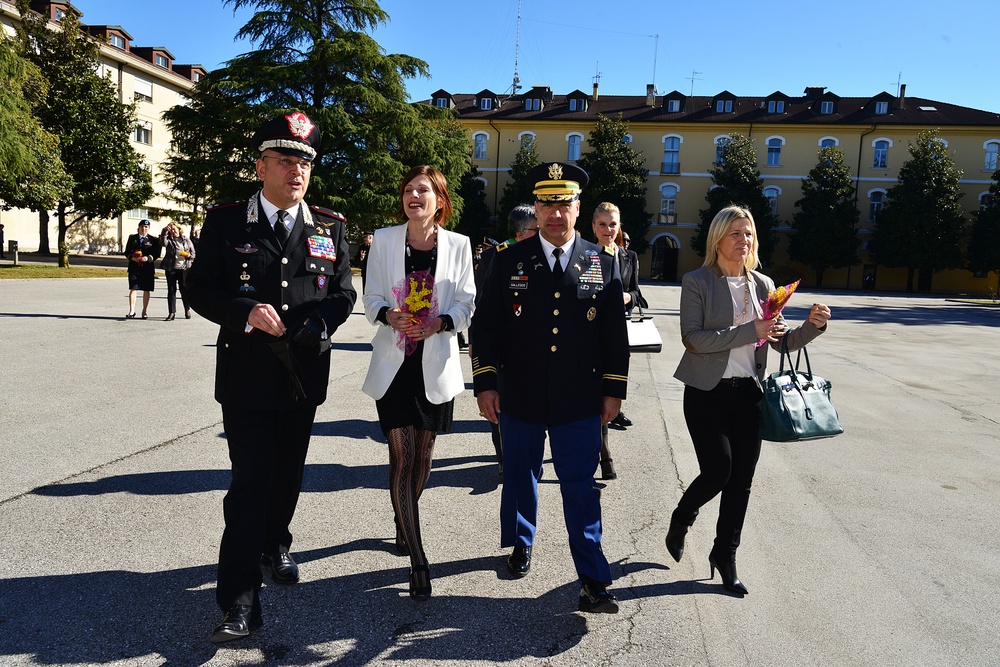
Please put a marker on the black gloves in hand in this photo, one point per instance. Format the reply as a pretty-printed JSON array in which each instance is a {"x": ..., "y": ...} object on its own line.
[{"x": 311, "y": 333}]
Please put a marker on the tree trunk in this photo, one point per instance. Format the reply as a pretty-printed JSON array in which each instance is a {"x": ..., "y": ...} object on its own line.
[
  {"x": 43, "y": 233},
  {"x": 63, "y": 248}
]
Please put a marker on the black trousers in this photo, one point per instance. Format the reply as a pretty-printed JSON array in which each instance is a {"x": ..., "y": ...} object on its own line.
[
  {"x": 268, "y": 452},
  {"x": 175, "y": 279},
  {"x": 724, "y": 424}
]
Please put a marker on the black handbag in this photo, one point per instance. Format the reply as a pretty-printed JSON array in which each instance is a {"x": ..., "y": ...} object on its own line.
[{"x": 796, "y": 403}]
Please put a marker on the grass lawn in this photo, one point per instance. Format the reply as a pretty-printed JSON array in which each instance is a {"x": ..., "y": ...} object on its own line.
[{"x": 46, "y": 271}]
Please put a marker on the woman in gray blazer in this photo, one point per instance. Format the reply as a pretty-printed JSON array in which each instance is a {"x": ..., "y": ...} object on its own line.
[
  {"x": 722, "y": 368},
  {"x": 420, "y": 291}
]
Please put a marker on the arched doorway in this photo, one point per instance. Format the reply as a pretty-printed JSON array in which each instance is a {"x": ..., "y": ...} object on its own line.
[{"x": 663, "y": 266}]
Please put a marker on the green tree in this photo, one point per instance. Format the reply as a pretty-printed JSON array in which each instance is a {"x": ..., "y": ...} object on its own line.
[
  {"x": 984, "y": 239},
  {"x": 920, "y": 225},
  {"x": 31, "y": 172},
  {"x": 515, "y": 190},
  {"x": 737, "y": 181},
  {"x": 617, "y": 175},
  {"x": 826, "y": 222},
  {"x": 94, "y": 128},
  {"x": 475, "y": 220},
  {"x": 316, "y": 56}
]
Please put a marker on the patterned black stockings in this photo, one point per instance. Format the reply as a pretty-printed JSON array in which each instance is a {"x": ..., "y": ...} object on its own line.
[{"x": 410, "y": 455}]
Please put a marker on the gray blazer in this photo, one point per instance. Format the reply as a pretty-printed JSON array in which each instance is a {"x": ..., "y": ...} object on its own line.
[{"x": 707, "y": 331}]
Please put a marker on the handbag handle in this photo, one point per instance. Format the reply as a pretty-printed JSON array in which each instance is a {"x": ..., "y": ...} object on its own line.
[{"x": 802, "y": 351}]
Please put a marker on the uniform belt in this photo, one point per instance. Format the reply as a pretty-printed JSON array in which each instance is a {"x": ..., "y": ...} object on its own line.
[{"x": 737, "y": 382}]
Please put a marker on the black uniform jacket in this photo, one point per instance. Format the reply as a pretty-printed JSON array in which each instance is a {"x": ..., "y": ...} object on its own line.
[
  {"x": 628, "y": 262},
  {"x": 149, "y": 247},
  {"x": 552, "y": 351},
  {"x": 240, "y": 264}
]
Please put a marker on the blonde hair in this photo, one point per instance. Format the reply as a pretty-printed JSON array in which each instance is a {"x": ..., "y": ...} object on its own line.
[
  {"x": 605, "y": 207},
  {"x": 718, "y": 228}
]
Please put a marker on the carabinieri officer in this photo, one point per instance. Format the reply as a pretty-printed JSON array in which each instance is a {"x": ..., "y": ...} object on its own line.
[
  {"x": 551, "y": 354},
  {"x": 274, "y": 274}
]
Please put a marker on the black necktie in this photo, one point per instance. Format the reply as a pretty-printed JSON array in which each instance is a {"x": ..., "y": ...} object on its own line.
[
  {"x": 280, "y": 229},
  {"x": 557, "y": 269}
]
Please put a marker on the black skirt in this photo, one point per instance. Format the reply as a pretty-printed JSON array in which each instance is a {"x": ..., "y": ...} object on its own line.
[
  {"x": 142, "y": 277},
  {"x": 405, "y": 402}
]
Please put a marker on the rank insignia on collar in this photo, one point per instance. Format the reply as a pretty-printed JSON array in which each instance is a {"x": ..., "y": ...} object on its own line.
[
  {"x": 246, "y": 249},
  {"x": 591, "y": 314}
]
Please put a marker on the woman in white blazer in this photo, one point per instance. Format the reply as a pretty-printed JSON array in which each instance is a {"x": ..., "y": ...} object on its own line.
[
  {"x": 722, "y": 368},
  {"x": 419, "y": 292}
]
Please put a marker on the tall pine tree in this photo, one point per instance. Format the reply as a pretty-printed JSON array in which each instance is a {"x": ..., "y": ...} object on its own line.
[
  {"x": 737, "y": 181},
  {"x": 920, "y": 225},
  {"x": 316, "y": 56},
  {"x": 617, "y": 175},
  {"x": 826, "y": 221},
  {"x": 984, "y": 239}
]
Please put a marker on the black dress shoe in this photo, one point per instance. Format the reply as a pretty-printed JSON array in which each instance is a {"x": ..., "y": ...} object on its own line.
[
  {"x": 239, "y": 622},
  {"x": 727, "y": 570},
  {"x": 283, "y": 568},
  {"x": 519, "y": 562},
  {"x": 608, "y": 469},
  {"x": 595, "y": 599},
  {"x": 621, "y": 420}
]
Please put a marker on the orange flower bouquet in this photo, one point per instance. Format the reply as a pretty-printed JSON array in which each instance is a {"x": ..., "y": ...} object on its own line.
[{"x": 775, "y": 301}]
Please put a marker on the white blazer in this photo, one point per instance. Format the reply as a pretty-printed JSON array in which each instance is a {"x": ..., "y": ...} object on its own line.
[{"x": 455, "y": 291}]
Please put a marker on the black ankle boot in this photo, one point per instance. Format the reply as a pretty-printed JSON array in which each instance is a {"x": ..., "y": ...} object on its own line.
[
  {"x": 675, "y": 535},
  {"x": 726, "y": 565}
]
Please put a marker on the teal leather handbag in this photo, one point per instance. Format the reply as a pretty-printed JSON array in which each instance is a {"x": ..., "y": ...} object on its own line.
[{"x": 796, "y": 403}]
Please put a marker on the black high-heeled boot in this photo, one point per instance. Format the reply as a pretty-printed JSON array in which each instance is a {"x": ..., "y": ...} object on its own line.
[
  {"x": 420, "y": 583},
  {"x": 676, "y": 533},
  {"x": 726, "y": 566}
]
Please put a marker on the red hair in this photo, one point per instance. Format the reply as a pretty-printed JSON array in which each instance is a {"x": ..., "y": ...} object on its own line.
[{"x": 440, "y": 186}]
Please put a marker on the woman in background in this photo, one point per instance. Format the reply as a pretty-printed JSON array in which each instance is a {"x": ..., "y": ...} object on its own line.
[
  {"x": 179, "y": 252},
  {"x": 419, "y": 292}
]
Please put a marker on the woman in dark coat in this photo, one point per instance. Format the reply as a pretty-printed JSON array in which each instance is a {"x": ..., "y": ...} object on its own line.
[{"x": 142, "y": 251}]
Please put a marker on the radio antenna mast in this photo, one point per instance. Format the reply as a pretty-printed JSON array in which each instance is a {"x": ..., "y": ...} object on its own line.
[{"x": 516, "y": 86}]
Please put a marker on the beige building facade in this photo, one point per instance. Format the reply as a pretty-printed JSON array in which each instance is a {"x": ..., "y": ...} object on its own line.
[
  {"x": 679, "y": 137},
  {"x": 148, "y": 75}
]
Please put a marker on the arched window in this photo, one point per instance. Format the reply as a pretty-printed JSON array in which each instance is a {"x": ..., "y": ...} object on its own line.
[
  {"x": 574, "y": 140},
  {"x": 479, "y": 145},
  {"x": 992, "y": 150},
  {"x": 774, "y": 145},
  {"x": 876, "y": 198},
  {"x": 829, "y": 142},
  {"x": 881, "y": 158},
  {"x": 668, "y": 203},
  {"x": 720, "y": 144},
  {"x": 771, "y": 193},
  {"x": 671, "y": 155},
  {"x": 526, "y": 139}
]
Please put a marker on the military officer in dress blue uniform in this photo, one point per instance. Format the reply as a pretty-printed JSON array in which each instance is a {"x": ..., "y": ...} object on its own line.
[
  {"x": 274, "y": 274},
  {"x": 551, "y": 355}
]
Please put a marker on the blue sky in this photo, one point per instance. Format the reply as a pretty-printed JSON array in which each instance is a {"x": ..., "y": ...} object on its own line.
[{"x": 856, "y": 48}]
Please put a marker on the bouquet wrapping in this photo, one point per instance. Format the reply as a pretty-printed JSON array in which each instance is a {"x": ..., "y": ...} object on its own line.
[
  {"x": 415, "y": 294},
  {"x": 775, "y": 301}
]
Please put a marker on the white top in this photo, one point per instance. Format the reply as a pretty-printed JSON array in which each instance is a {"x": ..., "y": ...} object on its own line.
[{"x": 741, "y": 359}]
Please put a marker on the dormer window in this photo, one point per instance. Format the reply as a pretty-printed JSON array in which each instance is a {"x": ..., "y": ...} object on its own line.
[
  {"x": 485, "y": 104},
  {"x": 673, "y": 106},
  {"x": 60, "y": 14},
  {"x": 533, "y": 104},
  {"x": 881, "y": 108},
  {"x": 440, "y": 102},
  {"x": 723, "y": 106},
  {"x": 161, "y": 61},
  {"x": 776, "y": 106},
  {"x": 575, "y": 104},
  {"x": 826, "y": 107},
  {"x": 196, "y": 76},
  {"x": 117, "y": 41}
]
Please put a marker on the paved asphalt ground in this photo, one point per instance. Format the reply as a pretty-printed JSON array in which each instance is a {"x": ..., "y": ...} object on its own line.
[{"x": 878, "y": 547}]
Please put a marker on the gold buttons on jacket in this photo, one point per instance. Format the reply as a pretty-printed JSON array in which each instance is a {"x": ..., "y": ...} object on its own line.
[
  {"x": 554, "y": 348},
  {"x": 555, "y": 330},
  {"x": 555, "y": 312},
  {"x": 557, "y": 295}
]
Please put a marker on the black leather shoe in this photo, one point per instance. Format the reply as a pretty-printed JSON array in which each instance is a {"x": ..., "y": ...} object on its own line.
[
  {"x": 675, "y": 535},
  {"x": 608, "y": 469},
  {"x": 622, "y": 420},
  {"x": 595, "y": 599},
  {"x": 283, "y": 568},
  {"x": 519, "y": 562},
  {"x": 420, "y": 583},
  {"x": 727, "y": 570},
  {"x": 239, "y": 622}
]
